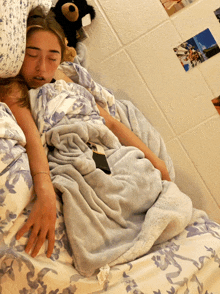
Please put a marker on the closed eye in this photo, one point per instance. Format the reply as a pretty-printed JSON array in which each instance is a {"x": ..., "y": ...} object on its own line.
[
  {"x": 31, "y": 52},
  {"x": 54, "y": 56},
  {"x": 31, "y": 55}
]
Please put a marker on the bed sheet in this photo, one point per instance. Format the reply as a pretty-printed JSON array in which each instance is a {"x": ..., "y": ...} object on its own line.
[
  {"x": 189, "y": 263},
  {"x": 186, "y": 263},
  {"x": 123, "y": 214}
]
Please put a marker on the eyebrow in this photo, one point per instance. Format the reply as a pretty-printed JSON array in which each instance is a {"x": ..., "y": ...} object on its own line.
[{"x": 36, "y": 48}]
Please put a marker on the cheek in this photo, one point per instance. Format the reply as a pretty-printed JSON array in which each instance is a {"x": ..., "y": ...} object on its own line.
[
  {"x": 26, "y": 68},
  {"x": 53, "y": 66}
]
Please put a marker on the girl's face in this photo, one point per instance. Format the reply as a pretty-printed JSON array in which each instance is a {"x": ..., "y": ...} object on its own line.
[{"x": 42, "y": 57}]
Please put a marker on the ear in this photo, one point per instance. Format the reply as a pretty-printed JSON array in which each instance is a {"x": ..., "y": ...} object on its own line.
[
  {"x": 91, "y": 11},
  {"x": 70, "y": 11}
]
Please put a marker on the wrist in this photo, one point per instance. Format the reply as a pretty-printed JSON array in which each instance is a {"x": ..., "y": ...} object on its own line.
[
  {"x": 43, "y": 185},
  {"x": 41, "y": 173},
  {"x": 41, "y": 179},
  {"x": 44, "y": 189}
]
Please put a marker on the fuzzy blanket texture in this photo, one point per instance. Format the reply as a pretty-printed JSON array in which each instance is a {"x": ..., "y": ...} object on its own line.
[{"x": 110, "y": 219}]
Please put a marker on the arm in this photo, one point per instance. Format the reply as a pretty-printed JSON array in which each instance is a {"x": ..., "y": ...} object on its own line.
[
  {"x": 125, "y": 136},
  {"x": 128, "y": 138},
  {"x": 43, "y": 215}
]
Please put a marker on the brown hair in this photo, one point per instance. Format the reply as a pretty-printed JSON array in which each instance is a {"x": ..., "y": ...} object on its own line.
[
  {"x": 38, "y": 20},
  {"x": 7, "y": 86}
]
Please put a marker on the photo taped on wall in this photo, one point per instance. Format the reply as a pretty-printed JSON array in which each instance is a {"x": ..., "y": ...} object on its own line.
[
  {"x": 217, "y": 13},
  {"x": 172, "y": 6},
  {"x": 216, "y": 103},
  {"x": 197, "y": 50}
]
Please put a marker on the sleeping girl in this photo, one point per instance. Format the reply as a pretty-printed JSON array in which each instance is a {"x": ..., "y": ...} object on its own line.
[{"x": 45, "y": 48}]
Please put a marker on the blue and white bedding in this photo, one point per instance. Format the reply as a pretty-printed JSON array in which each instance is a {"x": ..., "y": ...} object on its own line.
[{"x": 143, "y": 234}]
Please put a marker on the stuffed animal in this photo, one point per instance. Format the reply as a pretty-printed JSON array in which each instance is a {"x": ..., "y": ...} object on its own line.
[
  {"x": 70, "y": 53},
  {"x": 72, "y": 16}
]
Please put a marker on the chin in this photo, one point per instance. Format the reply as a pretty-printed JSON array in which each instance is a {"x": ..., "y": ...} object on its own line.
[{"x": 36, "y": 84}]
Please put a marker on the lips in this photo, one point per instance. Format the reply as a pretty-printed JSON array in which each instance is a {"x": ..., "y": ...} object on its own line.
[
  {"x": 39, "y": 78},
  {"x": 36, "y": 81}
]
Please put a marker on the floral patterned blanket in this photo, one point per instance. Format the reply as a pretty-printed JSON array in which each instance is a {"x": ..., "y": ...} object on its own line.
[
  {"x": 186, "y": 261},
  {"x": 13, "y": 19}
]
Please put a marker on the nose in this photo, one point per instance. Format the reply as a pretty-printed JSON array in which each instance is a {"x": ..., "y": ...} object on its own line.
[{"x": 41, "y": 64}]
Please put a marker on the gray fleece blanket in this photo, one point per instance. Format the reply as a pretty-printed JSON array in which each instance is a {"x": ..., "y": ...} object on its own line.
[{"x": 115, "y": 218}]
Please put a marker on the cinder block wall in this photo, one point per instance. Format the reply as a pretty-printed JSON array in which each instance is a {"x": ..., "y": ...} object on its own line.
[{"x": 130, "y": 51}]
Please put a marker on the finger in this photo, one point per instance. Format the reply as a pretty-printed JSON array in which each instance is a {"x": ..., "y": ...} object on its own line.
[
  {"x": 26, "y": 227},
  {"x": 40, "y": 241},
  {"x": 32, "y": 238},
  {"x": 51, "y": 242}
]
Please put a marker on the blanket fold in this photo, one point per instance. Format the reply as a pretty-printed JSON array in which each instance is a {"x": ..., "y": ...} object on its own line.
[{"x": 113, "y": 218}]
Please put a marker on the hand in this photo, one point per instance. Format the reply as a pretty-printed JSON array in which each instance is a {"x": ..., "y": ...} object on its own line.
[{"x": 41, "y": 221}]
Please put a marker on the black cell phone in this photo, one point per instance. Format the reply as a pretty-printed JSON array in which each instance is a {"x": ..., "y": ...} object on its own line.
[{"x": 99, "y": 157}]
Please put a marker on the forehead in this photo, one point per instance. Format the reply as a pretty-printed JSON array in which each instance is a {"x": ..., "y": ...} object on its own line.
[{"x": 44, "y": 40}]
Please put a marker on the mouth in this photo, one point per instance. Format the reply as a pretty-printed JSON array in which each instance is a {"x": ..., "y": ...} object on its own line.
[
  {"x": 37, "y": 81},
  {"x": 38, "y": 78}
]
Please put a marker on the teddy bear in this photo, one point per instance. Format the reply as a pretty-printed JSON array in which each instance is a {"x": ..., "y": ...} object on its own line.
[
  {"x": 69, "y": 53},
  {"x": 72, "y": 16}
]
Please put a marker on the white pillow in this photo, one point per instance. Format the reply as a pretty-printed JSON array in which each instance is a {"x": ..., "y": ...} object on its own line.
[{"x": 13, "y": 17}]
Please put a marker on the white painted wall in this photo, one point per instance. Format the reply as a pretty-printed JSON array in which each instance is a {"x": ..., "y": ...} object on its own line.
[{"x": 130, "y": 51}]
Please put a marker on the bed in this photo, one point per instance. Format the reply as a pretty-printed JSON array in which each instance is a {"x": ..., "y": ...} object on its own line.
[{"x": 128, "y": 232}]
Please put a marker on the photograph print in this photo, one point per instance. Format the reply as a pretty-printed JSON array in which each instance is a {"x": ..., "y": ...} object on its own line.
[
  {"x": 216, "y": 103},
  {"x": 217, "y": 14},
  {"x": 172, "y": 6},
  {"x": 197, "y": 50}
]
